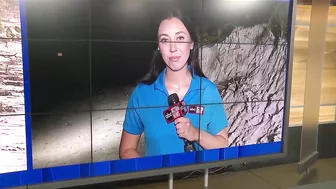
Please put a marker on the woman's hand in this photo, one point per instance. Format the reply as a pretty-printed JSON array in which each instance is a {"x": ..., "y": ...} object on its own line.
[{"x": 185, "y": 129}]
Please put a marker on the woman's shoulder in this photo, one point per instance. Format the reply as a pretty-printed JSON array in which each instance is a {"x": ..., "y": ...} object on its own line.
[
  {"x": 207, "y": 84},
  {"x": 140, "y": 88},
  {"x": 210, "y": 92}
]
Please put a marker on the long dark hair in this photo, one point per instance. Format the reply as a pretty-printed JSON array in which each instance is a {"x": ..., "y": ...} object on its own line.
[{"x": 157, "y": 64}]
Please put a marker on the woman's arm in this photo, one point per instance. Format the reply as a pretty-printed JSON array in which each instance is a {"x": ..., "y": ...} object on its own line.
[
  {"x": 185, "y": 129},
  {"x": 216, "y": 134},
  {"x": 128, "y": 146},
  {"x": 132, "y": 129},
  {"x": 208, "y": 141}
]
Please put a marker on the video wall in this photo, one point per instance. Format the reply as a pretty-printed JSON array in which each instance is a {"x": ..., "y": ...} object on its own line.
[{"x": 104, "y": 87}]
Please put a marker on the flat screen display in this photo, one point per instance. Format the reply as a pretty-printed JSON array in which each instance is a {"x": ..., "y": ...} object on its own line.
[{"x": 92, "y": 88}]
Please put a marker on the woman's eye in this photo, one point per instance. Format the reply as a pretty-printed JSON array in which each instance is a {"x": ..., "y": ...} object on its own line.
[
  {"x": 180, "y": 38},
  {"x": 164, "y": 40}
]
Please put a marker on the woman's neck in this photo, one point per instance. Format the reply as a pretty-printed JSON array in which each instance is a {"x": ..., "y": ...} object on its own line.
[
  {"x": 179, "y": 78},
  {"x": 178, "y": 82}
]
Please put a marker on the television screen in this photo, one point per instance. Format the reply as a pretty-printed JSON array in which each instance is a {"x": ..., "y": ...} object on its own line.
[{"x": 113, "y": 86}]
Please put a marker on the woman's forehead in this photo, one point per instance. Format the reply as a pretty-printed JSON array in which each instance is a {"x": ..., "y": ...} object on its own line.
[{"x": 172, "y": 26}]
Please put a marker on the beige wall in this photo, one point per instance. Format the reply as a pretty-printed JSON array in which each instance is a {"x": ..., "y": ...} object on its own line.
[{"x": 328, "y": 95}]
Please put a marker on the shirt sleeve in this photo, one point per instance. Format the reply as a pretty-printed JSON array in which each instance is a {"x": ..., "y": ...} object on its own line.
[
  {"x": 218, "y": 118},
  {"x": 132, "y": 123}
]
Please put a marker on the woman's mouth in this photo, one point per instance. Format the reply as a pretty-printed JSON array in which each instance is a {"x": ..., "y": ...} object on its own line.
[{"x": 174, "y": 58}]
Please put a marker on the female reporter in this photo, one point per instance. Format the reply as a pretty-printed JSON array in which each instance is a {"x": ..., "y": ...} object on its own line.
[{"x": 174, "y": 69}]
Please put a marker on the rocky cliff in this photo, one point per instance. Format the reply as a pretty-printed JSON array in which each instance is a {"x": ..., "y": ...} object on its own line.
[
  {"x": 249, "y": 71},
  {"x": 12, "y": 128}
]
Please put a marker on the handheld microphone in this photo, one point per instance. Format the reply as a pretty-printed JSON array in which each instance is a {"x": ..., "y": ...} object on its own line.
[{"x": 176, "y": 110}]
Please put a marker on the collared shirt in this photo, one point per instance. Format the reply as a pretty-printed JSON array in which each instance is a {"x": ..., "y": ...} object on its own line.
[{"x": 145, "y": 108}]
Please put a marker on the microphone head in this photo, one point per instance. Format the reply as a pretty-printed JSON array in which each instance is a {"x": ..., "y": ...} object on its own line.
[{"x": 173, "y": 99}]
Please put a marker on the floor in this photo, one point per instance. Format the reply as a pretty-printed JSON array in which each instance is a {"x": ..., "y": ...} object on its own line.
[{"x": 275, "y": 177}]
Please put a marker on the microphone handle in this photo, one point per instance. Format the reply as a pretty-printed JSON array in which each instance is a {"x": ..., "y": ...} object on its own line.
[{"x": 188, "y": 146}]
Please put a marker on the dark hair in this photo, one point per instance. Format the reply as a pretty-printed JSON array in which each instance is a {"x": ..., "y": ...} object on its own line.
[{"x": 157, "y": 64}]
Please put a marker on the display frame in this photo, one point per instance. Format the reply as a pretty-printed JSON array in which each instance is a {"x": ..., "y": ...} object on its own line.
[{"x": 100, "y": 172}]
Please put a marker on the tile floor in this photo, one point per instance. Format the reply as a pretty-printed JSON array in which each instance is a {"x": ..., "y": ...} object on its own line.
[{"x": 275, "y": 177}]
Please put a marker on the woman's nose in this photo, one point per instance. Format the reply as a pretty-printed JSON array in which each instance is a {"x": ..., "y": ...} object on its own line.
[{"x": 173, "y": 46}]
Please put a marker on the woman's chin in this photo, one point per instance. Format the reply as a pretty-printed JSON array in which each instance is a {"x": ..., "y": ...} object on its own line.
[{"x": 176, "y": 68}]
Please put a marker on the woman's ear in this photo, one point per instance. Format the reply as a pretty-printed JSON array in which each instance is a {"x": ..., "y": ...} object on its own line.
[{"x": 192, "y": 46}]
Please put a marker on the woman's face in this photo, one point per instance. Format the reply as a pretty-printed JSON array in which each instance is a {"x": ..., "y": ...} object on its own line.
[{"x": 175, "y": 43}]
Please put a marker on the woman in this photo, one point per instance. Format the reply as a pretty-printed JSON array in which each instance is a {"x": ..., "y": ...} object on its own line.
[{"x": 174, "y": 69}]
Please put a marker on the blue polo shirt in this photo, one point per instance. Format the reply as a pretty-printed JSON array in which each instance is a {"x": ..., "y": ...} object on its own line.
[{"x": 145, "y": 108}]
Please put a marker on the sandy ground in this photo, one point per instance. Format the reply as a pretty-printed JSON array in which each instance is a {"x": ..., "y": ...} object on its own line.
[
  {"x": 66, "y": 139},
  {"x": 12, "y": 144}
]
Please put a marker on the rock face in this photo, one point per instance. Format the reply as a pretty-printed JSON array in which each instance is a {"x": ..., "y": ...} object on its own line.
[
  {"x": 251, "y": 80},
  {"x": 12, "y": 127}
]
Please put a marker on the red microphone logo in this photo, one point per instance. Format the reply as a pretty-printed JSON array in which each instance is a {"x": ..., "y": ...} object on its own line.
[{"x": 176, "y": 111}]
